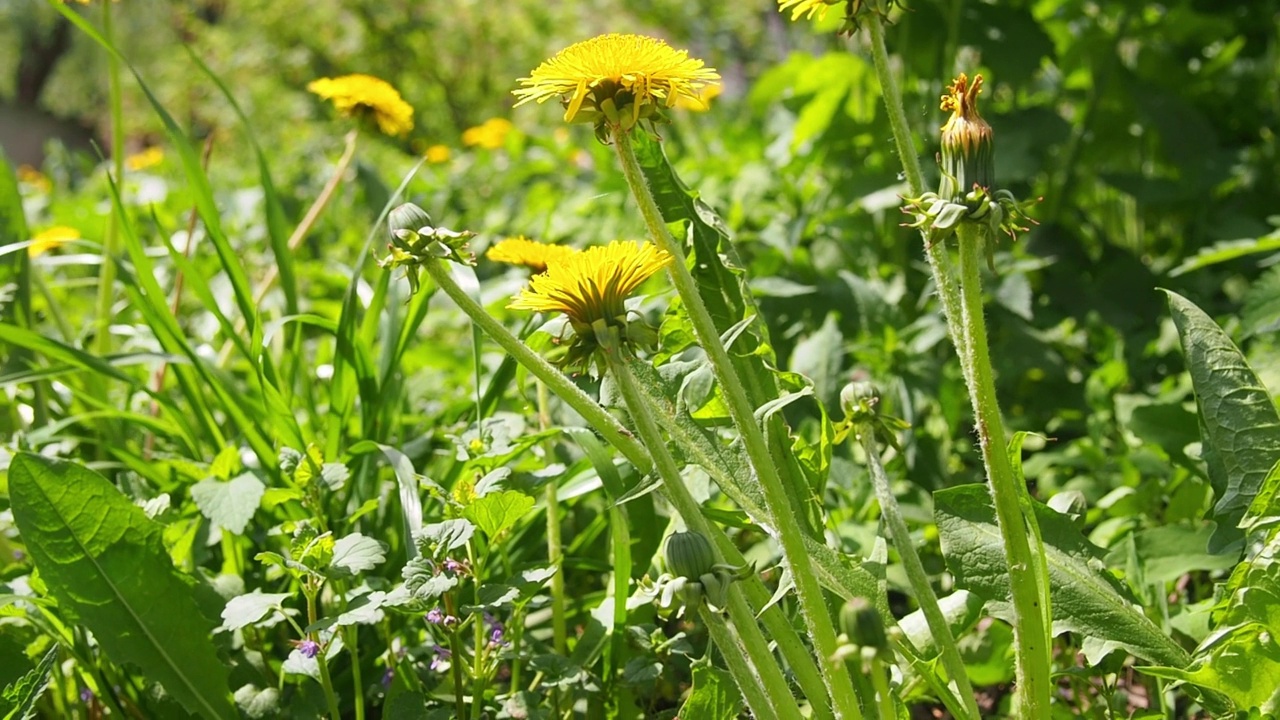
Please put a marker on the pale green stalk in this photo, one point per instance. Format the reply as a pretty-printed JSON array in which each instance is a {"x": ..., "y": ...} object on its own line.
[
  {"x": 791, "y": 536},
  {"x": 613, "y": 433},
  {"x": 939, "y": 260},
  {"x": 752, "y": 690},
  {"x": 111, "y": 242},
  {"x": 885, "y": 707},
  {"x": 753, "y": 643},
  {"x": 1031, "y": 636},
  {"x": 555, "y": 550},
  {"x": 326, "y": 682},
  {"x": 916, "y": 574}
]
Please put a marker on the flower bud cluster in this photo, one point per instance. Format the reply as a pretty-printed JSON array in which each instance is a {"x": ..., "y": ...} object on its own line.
[{"x": 414, "y": 240}]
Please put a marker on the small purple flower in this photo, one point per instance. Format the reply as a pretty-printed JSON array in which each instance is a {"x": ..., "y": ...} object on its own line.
[
  {"x": 86, "y": 695},
  {"x": 496, "y": 631},
  {"x": 387, "y": 677},
  {"x": 434, "y": 616},
  {"x": 440, "y": 662},
  {"x": 309, "y": 648},
  {"x": 455, "y": 566}
]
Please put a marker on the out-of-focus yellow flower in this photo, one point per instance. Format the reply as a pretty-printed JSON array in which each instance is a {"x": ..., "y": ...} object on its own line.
[
  {"x": 490, "y": 134},
  {"x": 33, "y": 177},
  {"x": 702, "y": 102},
  {"x": 148, "y": 158},
  {"x": 365, "y": 96},
  {"x": 616, "y": 80},
  {"x": 51, "y": 238},
  {"x": 808, "y": 8},
  {"x": 521, "y": 250},
  {"x": 438, "y": 154}
]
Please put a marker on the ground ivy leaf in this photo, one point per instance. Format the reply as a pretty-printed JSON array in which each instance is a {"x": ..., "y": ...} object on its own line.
[
  {"x": 248, "y": 609},
  {"x": 423, "y": 582},
  {"x": 105, "y": 563},
  {"x": 498, "y": 511},
  {"x": 356, "y": 553},
  {"x": 1086, "y": 598},
  {"x": 258, "y": 703},
  {"x": 1239, "y": 421},
  {"x": 438, "y": 539},
  {"x": 229, "y": 505}
]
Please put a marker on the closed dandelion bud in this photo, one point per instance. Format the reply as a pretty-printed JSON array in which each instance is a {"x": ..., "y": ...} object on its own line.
[
  {"x": 967, "y": 146},
  {"x": 407, "y": 217},
  {"x": 862, "y": 623},
  {"x": 858, "y": 400},
  {"x": 689, "y": 555}
]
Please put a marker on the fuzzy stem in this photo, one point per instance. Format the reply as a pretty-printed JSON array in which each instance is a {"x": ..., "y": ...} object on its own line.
[
  {"x": 939, "y": 260},
  {"x": 916, "y": 574},
  {"x": 790, "y": 533},
  {"x": 690, "y": 511},
  {"x": 1031, "y": 635},
  {"x": 326, "y": 682},
  {"x": 884, "y": 697},
  {"x": 735, "y": 654}
]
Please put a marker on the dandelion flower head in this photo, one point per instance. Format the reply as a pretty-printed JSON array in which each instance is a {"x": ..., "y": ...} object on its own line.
[
  {"x": 490, "y": 134},
  {"x": 148, "y": 158},
  {"x": 365, "y": 96},
  {"x": 807, "y": 8},
  {"x": 965, "y": 126},
  {"x": 530, "y": 253},
  {"x": 617, "y": 79},
  {"x": 49, "y": 239}
]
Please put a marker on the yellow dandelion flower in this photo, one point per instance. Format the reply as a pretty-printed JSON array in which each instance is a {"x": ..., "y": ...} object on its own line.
[
  {"x": 367, "y": 96},
  {"x": 437, "y": 154},
  {"x": 617, "y": 79},
  {"x": 490, "y": 135},
  {"x": 33, "y": 177},
  {"x": 702, "y": 102},
  {"x": 594, "y": 284},
  {"x": 51, "y": 238},
  {"x": 148, "y": 158},
  {"x": 530, "y": 253},
  {"x": 808, "y": 8}
]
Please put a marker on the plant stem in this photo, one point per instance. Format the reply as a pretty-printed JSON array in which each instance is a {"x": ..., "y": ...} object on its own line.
[
  {"x": 939, "y": 260},
  {"x": 111, "y": 242},
  {"x": 791, "y": 536},
  {"x": 555, "y": 551},
  {"x": 916, "y": 574},
  {"x": 725, "y": 639},
  {"x": 1031, "y": 635},
  {"x": 884, "y": 698},
  {"x": 326, "y": 681},
  {"x": 756, "y": 647}
]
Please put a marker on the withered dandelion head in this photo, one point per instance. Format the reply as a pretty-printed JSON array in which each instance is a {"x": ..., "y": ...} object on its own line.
[
  {"x": 967, "y": 140},
  {"x": 367, "y": 97},
  {"x": 615, "y": 80},
  {"x": 591, "y": 288},
  {"x": 529, "y": 253}
]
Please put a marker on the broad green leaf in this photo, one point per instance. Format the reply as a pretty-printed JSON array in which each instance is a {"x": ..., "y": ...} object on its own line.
[
  {"x": 1087, "y": 599},
  {"x": 1239, "y": 420},
  {"x": 1228, "y": 250},
  {"x": 1240, "y": 658},
  {"x": 258, "y": 704},
  {"x": 1261, "y": 312},
  {"x": 1171, "y": 551},
  {"x": 1264, "y": 511},
  {"x": 356, "y": 553},
  {"x": 498, "y": 511},
  {"x": 962, "y": 610},
  {"x": 229, "y": 505},
  {"x": 438, "y": 539},
  {"x": 714, "y": 695},
  {"x": 18, "y": 701},
  {"x": 248, "y": 609},
  {"x": 820, "y": 357},
  {"x": 105, "y": 562}
]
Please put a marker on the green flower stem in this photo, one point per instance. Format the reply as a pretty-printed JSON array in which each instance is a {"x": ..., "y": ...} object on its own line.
[
  {"x": 753, "y": 642},
  {"x": 791, "y": 535},
  {"x": 797, "y": 656},
  {"x": 939, "y": 260},
  {"x": 111, "y": 241},
  {"x": 916, "y": 573},
  {"x": 326, "y": 681},
  {"x": 884, "y": 697},
  {"x": 555, "y": 551},
  {"x": 1031, "y": 635},
  {"x": 725, "y": 639}
]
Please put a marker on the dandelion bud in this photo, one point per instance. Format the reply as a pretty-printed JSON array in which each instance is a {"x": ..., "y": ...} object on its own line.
[
  {"x": 858, "y": 400},
  {"x": 862, "y": 623},
  {"x": 967, "y": 147},
  {"x": 407, "y": 217},
  {"x": 689, "y": 555}
]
